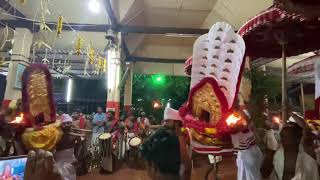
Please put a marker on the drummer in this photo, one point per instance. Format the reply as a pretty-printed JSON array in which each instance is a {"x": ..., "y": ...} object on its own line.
[
  {"x": 98, "y": 125},
  {"x": 112, "y": 123},
  {"x": 173, "y": 121},
  {"x": 64, "y": 155},
  {"x": 144, "y": 125},
  {"x": 129, "y": 124}
]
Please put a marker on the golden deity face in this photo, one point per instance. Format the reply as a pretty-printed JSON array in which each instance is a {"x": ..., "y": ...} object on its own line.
[
  {"x": 38, "y": 95},
  {"x": 206, "y": 105}
]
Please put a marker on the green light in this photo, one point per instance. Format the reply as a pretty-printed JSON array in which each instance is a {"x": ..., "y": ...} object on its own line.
[{"x": 158, "y": 79}]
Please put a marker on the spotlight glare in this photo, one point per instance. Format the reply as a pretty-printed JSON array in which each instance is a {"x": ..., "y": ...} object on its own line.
[
  {"x": 69, "y": 90},
  {"x": 94, "y": 6}
]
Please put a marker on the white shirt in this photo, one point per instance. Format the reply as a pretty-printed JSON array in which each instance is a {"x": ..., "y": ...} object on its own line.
[{"x": 146, "y": 120}]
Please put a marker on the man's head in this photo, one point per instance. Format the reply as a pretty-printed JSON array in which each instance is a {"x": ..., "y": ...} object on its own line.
[
  {"x": 291, "y": 135},
  {"x": 143, "y": 114},
  {"x": 78, "y": 112},
  {"x": 172, "y": 119},
  {"x": 162, "y": 152},
  {"x": 66, "y": 122},
  {"x": 99, "y": 110},
  {"x": 110, "y": 115}
]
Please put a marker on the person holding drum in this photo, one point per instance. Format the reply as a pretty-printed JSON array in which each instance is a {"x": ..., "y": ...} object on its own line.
[
  {"x": 109, "y": 143},
  {"x": 98, "y": 125},
  {"x": 112, "y": 123},
  {"x": 144, "y": 125},
  {"x": 173, "y": 121},
  {"x": 143, "y": 118},
  {"x": 64, "y": 155}
]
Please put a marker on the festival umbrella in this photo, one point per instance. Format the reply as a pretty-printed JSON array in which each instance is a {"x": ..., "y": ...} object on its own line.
[
  {"x": 309, "y": 8},
  {"x": 274, "y": 33}
]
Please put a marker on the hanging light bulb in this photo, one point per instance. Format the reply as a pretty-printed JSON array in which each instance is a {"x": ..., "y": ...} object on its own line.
[{"x": 94, "y": 6}]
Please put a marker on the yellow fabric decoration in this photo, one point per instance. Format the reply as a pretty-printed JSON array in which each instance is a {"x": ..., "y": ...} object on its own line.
[
  {"x": 104, "y": 64},
  {"x": 91, "y": 55},
  {"x": 210, "y": 130},
  {"x": 204, "y": 139},
  {"x": 46, "y": 138},
  {"x": 100, "y": 63},
  {"x": 59, "y": 26},
  {"x": 79, "y": 45}
]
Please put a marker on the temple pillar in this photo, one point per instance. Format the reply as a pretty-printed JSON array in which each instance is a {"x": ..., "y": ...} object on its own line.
[
  {"x": 19, "y": 60},
  {"x": 128, "y": 91},
  {"x": 113, "y": 79}
]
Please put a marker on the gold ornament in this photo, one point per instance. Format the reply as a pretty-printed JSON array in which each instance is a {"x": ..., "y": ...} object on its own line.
[
  {"x": 79, "y": 44},
  {"x": 104, "y": 64},
  {"x": 39, "y": 101},
  {"x": 203, "y": 139},
  {"x": 59, "y": 26},
  {"x": 100, "y": 63},
  {"x": 314, "y": 125},
  {"x": 91, "y": 55},
  {"x": 205, "y": 100}
]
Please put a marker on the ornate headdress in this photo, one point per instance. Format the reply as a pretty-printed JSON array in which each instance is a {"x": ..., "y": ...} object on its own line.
[
  {"x": 38, "y": 106},
  {"x": 37, "y": 95},
  {"x": 215, "y": 79}
]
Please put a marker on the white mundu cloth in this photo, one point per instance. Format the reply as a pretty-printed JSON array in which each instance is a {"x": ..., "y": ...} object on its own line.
[
  {"x": 306, "y": 166},
  {"x": 249, "y": 162}
]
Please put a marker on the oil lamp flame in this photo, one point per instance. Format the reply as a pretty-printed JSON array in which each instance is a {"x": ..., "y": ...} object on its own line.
[
  {"x": 276, "y": 119},
  {"x": 232, "y": 119},
  {"x": 18, "y": 119}
]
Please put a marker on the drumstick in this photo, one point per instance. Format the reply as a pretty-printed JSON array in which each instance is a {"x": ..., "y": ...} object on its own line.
[
  {"x": 84, "y": 130},
  {"x": 155, "y": 126},
  {"x": 76, "y": 134}
]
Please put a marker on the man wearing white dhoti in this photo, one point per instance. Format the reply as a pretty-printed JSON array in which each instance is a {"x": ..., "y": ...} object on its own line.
[{"x": 249, "y": 157}]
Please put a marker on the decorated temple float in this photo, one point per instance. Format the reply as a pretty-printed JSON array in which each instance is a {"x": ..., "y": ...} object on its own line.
[
  {"x": 35, "y": 114},
  {"x": 217, "y": 63}
]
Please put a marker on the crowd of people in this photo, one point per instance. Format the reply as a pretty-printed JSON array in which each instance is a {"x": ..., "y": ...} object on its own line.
[
  {"x": 284, "y": 151},
  {"x": 90, "y": 128},
  {"x": 293, "y": 156}
]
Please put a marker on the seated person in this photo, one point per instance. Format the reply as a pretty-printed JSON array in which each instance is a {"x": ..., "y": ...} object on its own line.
[{"x": 162, "y": 152}]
